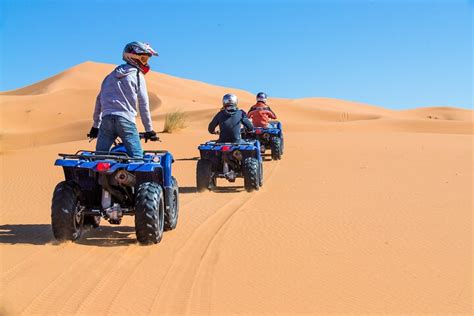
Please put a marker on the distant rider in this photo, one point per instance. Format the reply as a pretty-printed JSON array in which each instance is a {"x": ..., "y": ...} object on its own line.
[
  {"x": 229, "y": 119},
  {"x": 261, "y": 117},
  {"x": 262, "y": 98},
  {"x": 260, "y": 113},
  {"x": 116, "y": 104}
]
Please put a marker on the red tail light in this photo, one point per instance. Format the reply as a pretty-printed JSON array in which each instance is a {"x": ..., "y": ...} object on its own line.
[
  {"x": 103, "y": 166},
  {"x": 226, "y": 148}
]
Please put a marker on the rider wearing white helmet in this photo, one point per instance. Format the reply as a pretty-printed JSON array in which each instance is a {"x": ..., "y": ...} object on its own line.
[
  {"x": 262, "y": 98},
  {"x": 229, "y": 119},
  {"x": 116, "y": 104}
]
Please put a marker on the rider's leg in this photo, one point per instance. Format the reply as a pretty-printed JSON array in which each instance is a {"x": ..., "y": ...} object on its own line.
[
  {"x": 107, "y": 133},
  {"x": 128, "y": 132}
]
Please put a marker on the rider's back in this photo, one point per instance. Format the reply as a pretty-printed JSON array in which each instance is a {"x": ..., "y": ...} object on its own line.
[
  {"x": 229, "y": 121},
  {"x": 120, "y": 93},
  {"x": 261, "y": 117}
]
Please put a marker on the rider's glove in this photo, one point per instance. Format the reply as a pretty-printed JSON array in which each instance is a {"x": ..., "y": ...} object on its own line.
[
  {"x": 94, "y": 132},
  {"x": 151, "y": 135}
]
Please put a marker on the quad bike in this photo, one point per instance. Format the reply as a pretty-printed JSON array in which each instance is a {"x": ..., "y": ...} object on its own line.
[
  {"x": 110, "y": 185},
  {"x": 229, "y": 161},
  {"x": 269, "y": 137}
]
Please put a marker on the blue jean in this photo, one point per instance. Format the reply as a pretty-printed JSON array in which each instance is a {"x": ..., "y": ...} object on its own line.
[{"x": 114, "y": 126}]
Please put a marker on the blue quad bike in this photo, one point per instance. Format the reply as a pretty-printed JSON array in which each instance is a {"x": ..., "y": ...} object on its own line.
[
  {"x": 229, "y": 161},
  {"x": 269, "y": 138},
  {"x": 111, "y": 185}
]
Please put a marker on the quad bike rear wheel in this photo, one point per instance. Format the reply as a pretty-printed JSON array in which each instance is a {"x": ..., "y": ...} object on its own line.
[
  {"x": 149, "y": 213},
  {"x": 172, "y": 206},
  {"x": 275, "y": 147},
  {"x": 251, "y": 174},
  {"x": 204, "y": 177},
  {"x": 282, "y": 145},
  {"x": 66, "y": 212}
]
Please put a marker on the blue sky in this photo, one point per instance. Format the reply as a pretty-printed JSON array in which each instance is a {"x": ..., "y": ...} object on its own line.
[{"x": 397, "y": 54}]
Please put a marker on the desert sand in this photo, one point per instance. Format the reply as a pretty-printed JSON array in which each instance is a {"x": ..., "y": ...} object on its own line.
[{"x": 369, "y": 211}]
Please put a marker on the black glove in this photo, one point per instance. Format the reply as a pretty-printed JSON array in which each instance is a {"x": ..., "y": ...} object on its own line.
[
  {"x": 94, "y": 132},
  {"x": 151, "y": 135}
]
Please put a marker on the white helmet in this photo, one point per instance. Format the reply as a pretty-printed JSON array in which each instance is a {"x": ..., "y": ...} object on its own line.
[
  {"x": 230, "y": 100},
  {"x": 262, "y": 97},
  {"x": 137, "y": 54}
]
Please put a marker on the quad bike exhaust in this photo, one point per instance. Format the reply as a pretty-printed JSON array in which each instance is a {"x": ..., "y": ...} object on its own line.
[
  {"x": 237, "y": 155},
  {"x": 125, "y": 178}
]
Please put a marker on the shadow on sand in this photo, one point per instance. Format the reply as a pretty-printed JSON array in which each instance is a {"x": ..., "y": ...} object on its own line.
[
  {"x": 218, "y": 189},
  {"x": 186, "y": 190},
  {"x": 41, "y": 234},
  {"x": 187, "y": 159},
  {"x": 228, "y": 189}
]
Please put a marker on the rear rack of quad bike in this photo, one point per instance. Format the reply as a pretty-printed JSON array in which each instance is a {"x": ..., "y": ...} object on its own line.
[
  {"x": 99, "y": 155},
  {"x": 104, "y": 155}
]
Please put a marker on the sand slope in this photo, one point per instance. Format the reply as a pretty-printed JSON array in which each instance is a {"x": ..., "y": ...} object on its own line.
[{"x": 370, "y": 211}]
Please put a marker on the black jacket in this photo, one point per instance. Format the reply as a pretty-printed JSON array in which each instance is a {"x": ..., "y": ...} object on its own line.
[{"x": 230, "y": 121}]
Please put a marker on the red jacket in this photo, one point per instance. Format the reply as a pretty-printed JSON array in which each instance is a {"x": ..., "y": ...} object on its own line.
[
  {"x": 260, "y": 116},
  {"x": 261, "y": 104}
]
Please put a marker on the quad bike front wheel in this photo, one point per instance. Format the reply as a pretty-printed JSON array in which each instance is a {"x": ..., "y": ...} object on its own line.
[
  {"x": 251, "y": 174},
  {"x": 66, "y": 212},
  {"x": 149, "y": 213}
]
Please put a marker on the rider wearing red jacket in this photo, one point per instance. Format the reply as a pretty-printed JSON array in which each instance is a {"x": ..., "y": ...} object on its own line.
[{"x": 260, "y": 113}]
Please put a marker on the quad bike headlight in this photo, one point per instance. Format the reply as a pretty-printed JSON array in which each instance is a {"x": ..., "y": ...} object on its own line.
[{"x": 237, "y": 154}]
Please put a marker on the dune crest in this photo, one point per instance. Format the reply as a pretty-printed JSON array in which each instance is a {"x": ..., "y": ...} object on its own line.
[{"x": 45, "y": 109}]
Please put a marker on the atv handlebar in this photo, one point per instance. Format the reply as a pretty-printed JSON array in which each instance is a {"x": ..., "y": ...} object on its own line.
[
  {"x": 152, "y": 139},
  {"x": 141, "y": 135},
  {"x": 247, "y": 131}
]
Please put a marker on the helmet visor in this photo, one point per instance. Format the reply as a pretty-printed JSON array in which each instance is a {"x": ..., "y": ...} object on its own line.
[{"x": 143, "y": 58}]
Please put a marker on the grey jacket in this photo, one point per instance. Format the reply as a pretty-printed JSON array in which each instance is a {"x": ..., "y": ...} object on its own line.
[{"x": 119, "y": 94}]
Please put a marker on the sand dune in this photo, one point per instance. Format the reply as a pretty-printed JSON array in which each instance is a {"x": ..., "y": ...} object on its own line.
[{"x": 370, "y": 211}]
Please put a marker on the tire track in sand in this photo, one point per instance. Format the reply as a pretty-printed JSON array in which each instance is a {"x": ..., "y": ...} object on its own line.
[
  {"x": 26, "y": 263},
  {"x": 115, "y": 282},
  {"x": 88, "y": 284},
  {"x": 201, "y": 292},
  {"x": 53, "y": 291},
  {"x": 114, "y": 275},
  {"x": 176, "y": 290}
]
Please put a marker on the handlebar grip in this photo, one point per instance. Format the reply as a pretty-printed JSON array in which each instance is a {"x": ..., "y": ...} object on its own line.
[{"x": 152, "y": 138}]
